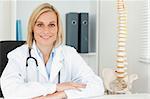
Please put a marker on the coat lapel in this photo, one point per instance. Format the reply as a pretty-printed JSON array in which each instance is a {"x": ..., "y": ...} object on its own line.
[
  {"x": 57, "y": 63},
  {"x": 41, "y": 65}
]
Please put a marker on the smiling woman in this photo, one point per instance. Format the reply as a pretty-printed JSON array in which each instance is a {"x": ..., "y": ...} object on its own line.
[
  {"x": 45, "y": 20},
  {"x": 44, "y": 67},
  {"x": 45, "y": 29},
  {"x": 45, "y": 32}
]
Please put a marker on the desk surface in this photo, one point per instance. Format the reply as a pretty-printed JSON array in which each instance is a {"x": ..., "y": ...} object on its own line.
[{"x": 129, "y": 96}]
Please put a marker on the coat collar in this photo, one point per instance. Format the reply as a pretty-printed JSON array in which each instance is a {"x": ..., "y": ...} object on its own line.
[{"x": 57, "y": 63}]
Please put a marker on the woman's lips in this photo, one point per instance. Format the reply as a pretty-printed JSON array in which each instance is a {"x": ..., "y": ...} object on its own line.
[{"x": 45, "y": 36}]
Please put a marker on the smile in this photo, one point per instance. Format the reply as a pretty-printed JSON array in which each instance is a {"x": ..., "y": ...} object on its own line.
[{"x": 45, "y": 37}]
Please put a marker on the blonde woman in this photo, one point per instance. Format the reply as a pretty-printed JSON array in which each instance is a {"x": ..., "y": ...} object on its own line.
[{"x": 44, "y": 67}]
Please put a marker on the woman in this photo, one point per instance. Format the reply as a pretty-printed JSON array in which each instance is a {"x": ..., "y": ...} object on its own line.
[{"x": 44, "y": 67}]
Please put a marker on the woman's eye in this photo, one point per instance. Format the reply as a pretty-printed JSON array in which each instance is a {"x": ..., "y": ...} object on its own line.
[
  {"x": 51, "y": 25},
  {"x": 39, "y": 25}
]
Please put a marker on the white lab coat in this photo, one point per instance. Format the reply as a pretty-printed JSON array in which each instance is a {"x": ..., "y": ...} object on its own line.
[{"x": 66, "y": 60}]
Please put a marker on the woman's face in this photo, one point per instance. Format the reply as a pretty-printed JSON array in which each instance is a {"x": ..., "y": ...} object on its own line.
[{"x": 45, "y": 29}]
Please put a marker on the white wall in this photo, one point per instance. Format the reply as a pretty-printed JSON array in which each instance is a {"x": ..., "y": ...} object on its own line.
[
  {"x": 149, "y": 43},
  {"x": 108, "y": 40},
  {"x": 5, "y": 23},
  {"x": 149, "y": 79}
]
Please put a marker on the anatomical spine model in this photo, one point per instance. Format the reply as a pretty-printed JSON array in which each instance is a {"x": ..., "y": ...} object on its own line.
[{"x": 117, "y": 81}]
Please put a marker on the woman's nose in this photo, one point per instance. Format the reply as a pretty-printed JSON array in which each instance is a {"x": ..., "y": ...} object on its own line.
[{"x": 46, "y": 30}]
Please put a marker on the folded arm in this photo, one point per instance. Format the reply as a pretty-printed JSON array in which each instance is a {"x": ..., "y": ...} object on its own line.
[
  {"x": 82, "y": 73},
  {"x": 60, "y": 88}
]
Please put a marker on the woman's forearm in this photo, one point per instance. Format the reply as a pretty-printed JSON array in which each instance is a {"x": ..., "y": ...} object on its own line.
[{"x": 56, "y": 95}]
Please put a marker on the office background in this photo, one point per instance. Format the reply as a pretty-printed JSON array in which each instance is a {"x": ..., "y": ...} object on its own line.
[{"x": 102, "y": 31}]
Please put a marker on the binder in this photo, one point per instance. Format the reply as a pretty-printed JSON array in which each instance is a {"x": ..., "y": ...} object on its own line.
[
  {"x": 72, "y": 29},
  {"x": 18, "y": 30},
  {"x": 83, "y": 32}
]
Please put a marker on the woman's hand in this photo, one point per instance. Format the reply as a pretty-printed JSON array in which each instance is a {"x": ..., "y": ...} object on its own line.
[
  {"x": 69, "y": 85},
  {"x": 60, "y": 94},
  {"x": 56, "y": 95}
]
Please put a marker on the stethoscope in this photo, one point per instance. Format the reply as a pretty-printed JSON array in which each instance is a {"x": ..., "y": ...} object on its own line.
[{"x": 37, "y": 70}]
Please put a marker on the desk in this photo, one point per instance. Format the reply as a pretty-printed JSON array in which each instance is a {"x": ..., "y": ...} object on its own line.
[{"x": 129, "y": 96}]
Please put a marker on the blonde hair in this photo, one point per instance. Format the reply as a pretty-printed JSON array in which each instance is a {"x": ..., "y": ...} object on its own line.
[{"x": 33, "y": 18}]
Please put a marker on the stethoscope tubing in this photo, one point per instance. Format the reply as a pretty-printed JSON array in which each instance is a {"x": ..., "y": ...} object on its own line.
[{"x": 37, "y": 69}]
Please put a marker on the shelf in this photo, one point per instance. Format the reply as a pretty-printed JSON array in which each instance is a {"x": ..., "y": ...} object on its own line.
[{"x": 88, "y": 54}]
